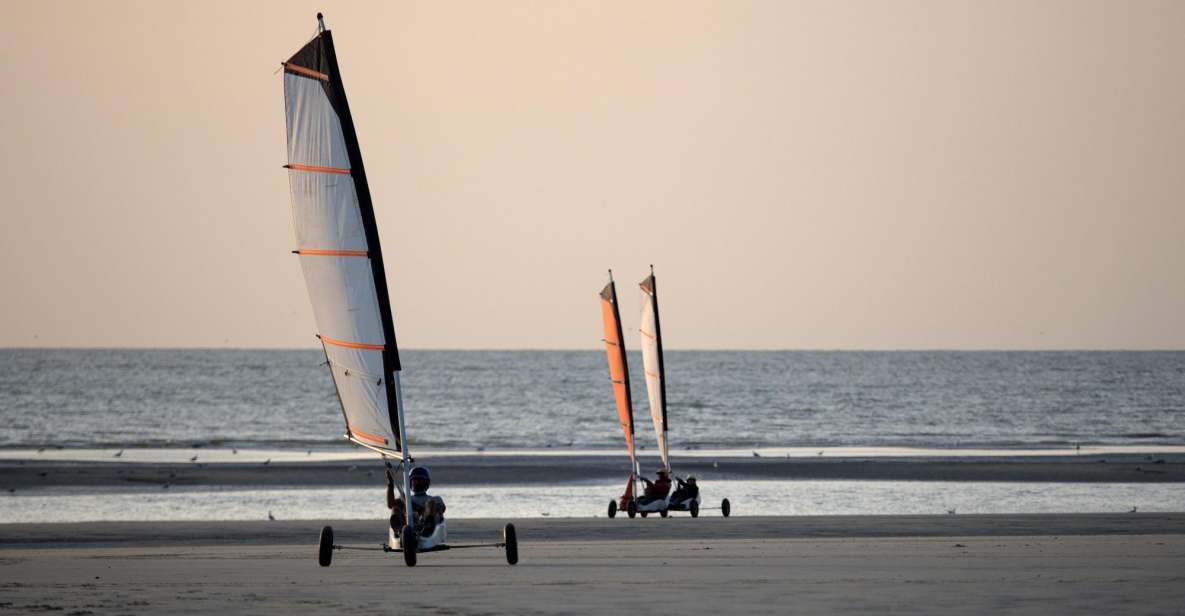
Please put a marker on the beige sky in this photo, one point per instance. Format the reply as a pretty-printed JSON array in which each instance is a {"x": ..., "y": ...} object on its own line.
[{"x": 871, "y": 175}]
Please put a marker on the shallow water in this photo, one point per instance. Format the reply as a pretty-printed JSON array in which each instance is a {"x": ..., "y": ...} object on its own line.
[
  {"x": 462, "y": 400},
  {"x": 812, "y": 497}
]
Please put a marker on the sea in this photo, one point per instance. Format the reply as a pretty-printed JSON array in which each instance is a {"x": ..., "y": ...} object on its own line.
[
  {"x": 528, "y": 400},
  {"x": 281, "y": 405}
]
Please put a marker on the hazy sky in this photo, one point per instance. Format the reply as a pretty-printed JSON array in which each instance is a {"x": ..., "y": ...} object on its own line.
[{"x": 870, "y": 175}]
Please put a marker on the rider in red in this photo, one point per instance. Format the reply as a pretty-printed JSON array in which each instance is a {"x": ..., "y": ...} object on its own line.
[{"x": 660, "y": 487}]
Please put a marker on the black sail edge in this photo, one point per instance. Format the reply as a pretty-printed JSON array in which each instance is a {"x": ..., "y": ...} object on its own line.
[
  {"x": 662, "y": 373},
  {"x": 337, "y": 96}
]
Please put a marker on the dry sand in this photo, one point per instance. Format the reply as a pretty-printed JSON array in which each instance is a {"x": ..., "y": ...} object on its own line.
[{"x": 1037, "y": 564}]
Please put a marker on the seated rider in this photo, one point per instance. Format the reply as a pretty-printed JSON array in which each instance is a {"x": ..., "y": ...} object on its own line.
[
  {"x": 685, "y": 490},
  {"x": 657, "y": 489},
  {"x": 428, "y": 510}
]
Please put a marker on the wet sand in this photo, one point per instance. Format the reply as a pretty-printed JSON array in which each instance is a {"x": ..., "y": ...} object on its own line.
[
  {"x": 1039, "y": 564},
  {"x": 469, "y": 470}
]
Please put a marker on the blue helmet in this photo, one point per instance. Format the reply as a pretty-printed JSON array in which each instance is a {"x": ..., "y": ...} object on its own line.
[{"x": 420, "y": 471}]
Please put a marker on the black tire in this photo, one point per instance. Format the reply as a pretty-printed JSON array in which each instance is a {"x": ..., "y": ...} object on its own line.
[
  {"x": 325, "y": 548},
  {"x": 694, "y": 509},
  {"x": 612, "y": 509},
  {"x": 511, "y": 540},
  {"x": 410, "y": 541},
  {"x": 645, "y": 513},
  {"x": 663, "y": 513},
  {"x": 632, "y": 509},
  {"x": 725, "y": 507}
]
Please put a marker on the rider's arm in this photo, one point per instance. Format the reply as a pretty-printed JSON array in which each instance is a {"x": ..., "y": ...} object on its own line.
[{"x": 390, "y": 491}]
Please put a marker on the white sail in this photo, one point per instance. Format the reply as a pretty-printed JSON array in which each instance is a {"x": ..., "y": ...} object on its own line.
[
  {"x": 337, "y": 243},
  {"x": 652, "y": 365}
]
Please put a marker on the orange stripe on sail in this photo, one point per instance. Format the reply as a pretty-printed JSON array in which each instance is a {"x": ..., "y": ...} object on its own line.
[
  {"x": 649, "y": 373},
  {"x": 646, "y": 333},
  {"x": 333, "y": 253},
  {"x": 337, "y": 170},
  {"x": 351, "y": 345},
  {"x": 307, "y": 72},
  {"x": 363, "y": 435}
]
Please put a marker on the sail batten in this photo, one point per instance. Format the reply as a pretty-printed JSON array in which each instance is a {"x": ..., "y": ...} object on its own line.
[{"x": 335, "y": 225}]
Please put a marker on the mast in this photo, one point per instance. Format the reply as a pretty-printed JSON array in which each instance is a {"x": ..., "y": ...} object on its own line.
[
  {"x": 653, "y": 365},
  {"x": 340, "y": 253},
  {"x": 619, "y": 373},
  {"x": 370, "y": 225}
]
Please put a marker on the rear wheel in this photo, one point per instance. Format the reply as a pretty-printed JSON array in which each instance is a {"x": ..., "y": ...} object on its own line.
[
  {"x": 325, "y": 548},
  {"x": 632, "y": 509},
  {"x": 612, "y": 509},
  {"x": 511, "y": 540},
  {"x": 663, "y": 513},
  {"x": 694, "y": 509},
  {"x": 409, "y": 540},
  {"x": 725, "y": 507}
]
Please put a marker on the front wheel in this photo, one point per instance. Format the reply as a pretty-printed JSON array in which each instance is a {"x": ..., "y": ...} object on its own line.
[
  {"x": 612, "y": 509},
  {"x": 725, "y": 507},
  {"x": 663, "y": 513},
  {"x": 408, "y": 539},
  {"x": 632, "y": 509},
  {"x": 325, "y": 548},
  {"x": 511, "y": 540},
  {"x": 694, "y": 509}
]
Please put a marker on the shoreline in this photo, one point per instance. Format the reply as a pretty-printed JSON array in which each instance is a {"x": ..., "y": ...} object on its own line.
[{"x": 469, "y": 469}]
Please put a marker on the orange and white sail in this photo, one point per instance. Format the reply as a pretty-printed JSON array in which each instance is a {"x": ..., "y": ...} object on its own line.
[
  {"x": 652, "y": 363},
  {"x": 337, "y": 242},
  {"x": 619, "y": 373}
]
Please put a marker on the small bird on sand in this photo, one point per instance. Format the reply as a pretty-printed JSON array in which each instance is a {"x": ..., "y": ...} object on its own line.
[
  {"x": 950, "y": 512},
  {"x": 267, "y": 461},
  {"x": 820, "y": 453},
  {"x": 270, "y": 516},
  {"x": 234, "y": 451},
  {"x": 1133, "y": 510},
  {"x": 194, "y": 458},
  {"x": 756, "y": 455},
  {"x": 40, "y": 449},
  {"x": 118, "y": 454}
]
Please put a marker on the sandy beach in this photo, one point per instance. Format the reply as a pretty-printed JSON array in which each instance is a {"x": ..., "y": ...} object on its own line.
[{"x": 1106, "y": 563}]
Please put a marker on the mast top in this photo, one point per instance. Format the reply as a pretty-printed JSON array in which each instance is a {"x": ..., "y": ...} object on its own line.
[
  {"x": 610, "y": 275},
  {"x": 320, "y": 22}
]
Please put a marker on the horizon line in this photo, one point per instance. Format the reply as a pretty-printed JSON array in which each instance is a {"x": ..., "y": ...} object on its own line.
[{"x": 570, "y": 350}]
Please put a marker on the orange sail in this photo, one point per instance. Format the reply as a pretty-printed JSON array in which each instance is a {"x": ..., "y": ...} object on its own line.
[{"x": 619, "y": 372}]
